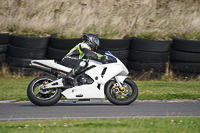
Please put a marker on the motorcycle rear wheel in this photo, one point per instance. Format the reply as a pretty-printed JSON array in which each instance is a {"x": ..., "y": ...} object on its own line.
[
  {"x": 43, "y": 97},
  {"x": 122, "y": 97}
]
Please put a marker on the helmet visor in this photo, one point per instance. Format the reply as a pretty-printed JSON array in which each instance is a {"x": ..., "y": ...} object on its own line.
[{"x": 96, "y": 40}]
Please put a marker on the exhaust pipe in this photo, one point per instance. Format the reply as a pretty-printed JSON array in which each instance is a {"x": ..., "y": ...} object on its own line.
[{"x": 40, "y": 67}]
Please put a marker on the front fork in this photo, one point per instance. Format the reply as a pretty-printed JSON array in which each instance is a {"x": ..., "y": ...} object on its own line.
[{"x": 119, "y": 80}]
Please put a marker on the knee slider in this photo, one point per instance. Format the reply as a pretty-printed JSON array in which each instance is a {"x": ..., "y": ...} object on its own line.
[{"x": 83, "y": 64}]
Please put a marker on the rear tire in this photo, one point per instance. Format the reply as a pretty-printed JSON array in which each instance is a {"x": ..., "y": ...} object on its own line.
[
  {"x": 117, "y": 97},
  {"x": 51, "y": 96}
]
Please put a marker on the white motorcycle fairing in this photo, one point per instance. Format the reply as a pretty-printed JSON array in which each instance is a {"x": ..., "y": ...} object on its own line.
[
  {"x": 111, "y": 71},
  {"x": 93, "y": 92},
  {"x": 87, "y": 92}
]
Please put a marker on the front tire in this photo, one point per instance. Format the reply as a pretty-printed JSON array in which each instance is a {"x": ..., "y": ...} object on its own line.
[
  {"x": 41, "y": 97},
  {"x": 122, "y": 97}
]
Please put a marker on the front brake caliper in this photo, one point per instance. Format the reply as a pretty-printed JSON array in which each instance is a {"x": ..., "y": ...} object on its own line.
[{"x": 46, "y": 82}]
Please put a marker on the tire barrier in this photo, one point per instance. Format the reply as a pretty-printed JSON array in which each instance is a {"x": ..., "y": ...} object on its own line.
[
  {"x": 185, "y": 56},
  {"x": 147, "y": 66},
  {"x": 4, "y": 40},
  {"x": 2, "y": 57},
  {"x": 24, "y": 49},
  {"x": 3, "y": 48},
  {"x": 26, "y": 53},
  {"x": 29, "y": 42},
  {"x": 56, "y": 54},
  {"x": 149, "y": 45},
  {"x": 144, "y": 58},
  {"x": 148, "y": 55},
  {"x": 186, "y": 45},
  {"x": 115, "y": 44},
  {"x": 186, "y": 67},
  {"x": 18, "y": 62},
  {"x": 64, "y": 44},
  {"x": 118, "y": 47}
]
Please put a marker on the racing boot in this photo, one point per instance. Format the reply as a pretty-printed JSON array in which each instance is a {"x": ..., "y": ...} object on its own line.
[{"x": 69, "y": 78}]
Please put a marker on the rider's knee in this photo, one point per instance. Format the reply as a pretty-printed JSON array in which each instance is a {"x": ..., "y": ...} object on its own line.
[{"x": 83, "y": 64}]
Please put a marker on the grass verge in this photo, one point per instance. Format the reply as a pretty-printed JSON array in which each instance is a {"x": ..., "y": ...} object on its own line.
[
  {"x": 161, "y": 90},
  {"x": 15, "y": 88},
  {"x": 141, "y": 125}
]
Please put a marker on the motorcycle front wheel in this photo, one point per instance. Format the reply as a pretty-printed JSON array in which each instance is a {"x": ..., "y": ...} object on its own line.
[
  {"x": 43, "y": 97},
  {"x": 122, "y": 96}
]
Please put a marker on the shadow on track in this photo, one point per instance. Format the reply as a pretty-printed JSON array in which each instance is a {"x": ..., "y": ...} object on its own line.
[{"x": 29, "y": 104}]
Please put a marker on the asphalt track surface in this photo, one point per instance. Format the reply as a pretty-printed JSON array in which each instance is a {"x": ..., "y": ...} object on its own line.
[{"x": 63, "y": 110}]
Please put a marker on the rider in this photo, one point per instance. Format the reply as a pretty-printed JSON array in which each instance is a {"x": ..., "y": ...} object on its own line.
[{"x": 76, "y": 58}]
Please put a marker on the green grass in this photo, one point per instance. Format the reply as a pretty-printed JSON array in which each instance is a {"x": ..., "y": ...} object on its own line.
[
  {"x": 140, "y": 125},
  {"x": 161, "y": 90},
  {"x": 15, "y": 88}
]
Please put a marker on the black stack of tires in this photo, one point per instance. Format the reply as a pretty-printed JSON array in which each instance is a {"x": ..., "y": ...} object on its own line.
[
  {"x": 185, "y": 57},
  {"x": 24, "y": 49},
  {"x": 147, "y": 56},
  {"x": 4, "y": 40},
  {"x": 59, "y": 47},
  {"x": 118, "y": 47}
]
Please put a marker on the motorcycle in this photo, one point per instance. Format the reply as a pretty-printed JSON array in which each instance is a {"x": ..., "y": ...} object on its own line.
[{"x": 94, "y": 83}]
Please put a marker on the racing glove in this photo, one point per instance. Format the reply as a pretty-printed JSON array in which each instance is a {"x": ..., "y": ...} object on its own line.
[{"x": 104, "y": 59}]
